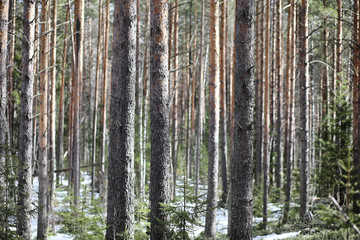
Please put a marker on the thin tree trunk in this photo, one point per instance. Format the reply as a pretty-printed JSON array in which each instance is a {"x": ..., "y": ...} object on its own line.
[
  {"x": 4, "y": 11},
  {"x": 303, "y": 79},
  {"x": 96, "y": 98},
  {"x": 242, "y": 162},
  {"x": 287, "y": 112},
  {"x": 223, "y": 122},
  {"x": 159, "y": 113},
  {"x": 104, "y": 97},
  {"x": 11, "y": 55},
  {"x": 122, "y": 108},
  {"x": 201, "y": 93},
  {"x": 214, "y": 90},
  {"x": 266, "y": 115},
  {"x": 52, "y": 110},
  {"x": 279, "y": 73},
  {"x": 43, "y": 155},
  {"x": 60, "y": 136},
  {"x": 26, "y": 124}
]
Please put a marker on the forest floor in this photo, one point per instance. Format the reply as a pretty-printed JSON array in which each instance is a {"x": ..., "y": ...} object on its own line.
[{"x": 61, "y": 204}]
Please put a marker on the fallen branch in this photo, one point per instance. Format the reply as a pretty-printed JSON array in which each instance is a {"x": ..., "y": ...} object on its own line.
[{"x": 344, "y": 214}]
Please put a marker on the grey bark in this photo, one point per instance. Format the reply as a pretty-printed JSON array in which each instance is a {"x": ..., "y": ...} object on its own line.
[
  {"x": 159, "y": 114},
  {"x": 214, "y": 114},
  {"x": 241, "y": 166},
  {"x": 26, "y": 121},
  {"x": 120, "y": 218},
  {"x": 303, "y": 132}
]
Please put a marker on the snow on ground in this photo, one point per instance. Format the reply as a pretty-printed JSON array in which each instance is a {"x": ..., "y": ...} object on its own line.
[{"x": 275, "y": 212}]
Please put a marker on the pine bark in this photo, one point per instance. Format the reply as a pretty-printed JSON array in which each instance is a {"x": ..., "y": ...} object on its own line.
[
  {"x": 26, "y": 121},
  {"x": 214, "y": 104},
  {"x": 4, "y": 22},
  {"x": 244, "y": 99},
  {"x": 43, "y": 124},
  {"x": 159, "y": 113},
  {"x": 223, "y": 122},
  {"x": 266, "y": 157},
  {"x": 11, "y": 55},
  {"x": 120, "y": 218},
  {"x": 303, "y": 80}
]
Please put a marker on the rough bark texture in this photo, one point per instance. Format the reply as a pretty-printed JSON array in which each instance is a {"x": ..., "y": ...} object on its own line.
[
  {"x": 214, "y": 103},
  {"x": 120, "y": 218},
  {"x": 242, "y": 162},
  {"x": 26, "y": 124},
  {"x": 223, "y": 122},
  {"x": 159, "y": 113},
  {"x": 4, "y": 11},
  {"x": 303, "y": 132},
  {"x": 11, "y": 55},
  {"x": 266, "y": 157},
  {"x": 43, "y": 126}
]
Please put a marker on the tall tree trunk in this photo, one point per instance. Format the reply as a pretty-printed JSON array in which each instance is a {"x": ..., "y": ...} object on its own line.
[
  {"x": 122, "y": 108},
  {"x": 26, "y": 124},
  {"x": 356, "y": 102},
  {"x": 11, "y": 55},
  {"x": 4, "y": 11},
  {"x": 279, "y": 73},
  {"x": 174, "y": 94},
  {"x": 223, "y": 122},
  {"x": 303, "y": 79},
  {"x": 60, "y": 136},
  {"x": 52, "y": 110},
  {"x": 242, "y": 162},
  {"x": 77, "y": 79},
  {"x": 266, "y": 115},
  {"x": 214, "y": 90},
  {"x": 43, "y": 155},
  {"x": 104, "y": 96},
  {"x": 96, "y": 98},
  {"x": 201, "y": 97},
  {"x": 159, "y": 113}
]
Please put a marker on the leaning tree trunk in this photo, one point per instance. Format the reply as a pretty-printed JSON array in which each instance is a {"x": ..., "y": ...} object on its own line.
[
  {"x": 159, "y": 113},
  {"x": 43, "y": 126},
  {"x": 120, "y": 218},
  {"x": 26, "y": 121},
  {"x": 4, "y": 11},
  {"x": 242, "y": 162},
  {"x": 214, "y": 90},
  {"x": 303, "y": 79}
]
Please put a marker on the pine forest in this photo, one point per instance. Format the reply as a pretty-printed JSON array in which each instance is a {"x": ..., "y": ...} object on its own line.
[{"x": 179, "y": 119}]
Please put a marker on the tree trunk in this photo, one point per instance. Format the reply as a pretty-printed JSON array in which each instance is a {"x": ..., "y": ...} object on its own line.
[
  {"x": 303, "y": 80},
  {"x": 11, "y": 55},
  {"x": 159, "y": 113},
  {"x": 52, "y": 110},
  {"x": 223, "y": 122},
  {"x": 287, "y": 112},
  {"x": 242, "y": 162},
  {"x": 77, "y": 79},
  {"x": 26, "y": 124},
  {"x": 122, "y": 109},
  {"x": 60, "y": 136},
  {"x": 96, "y": 98},
  {"x": 266, "y": 115},
  {"x": 279, "y": 73},
  {"x": 214, "y": 90},
  {"x": 43, "y": 155},
  {"x": 201, "y": 97},
  {"x": 4, "y": 21}
]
